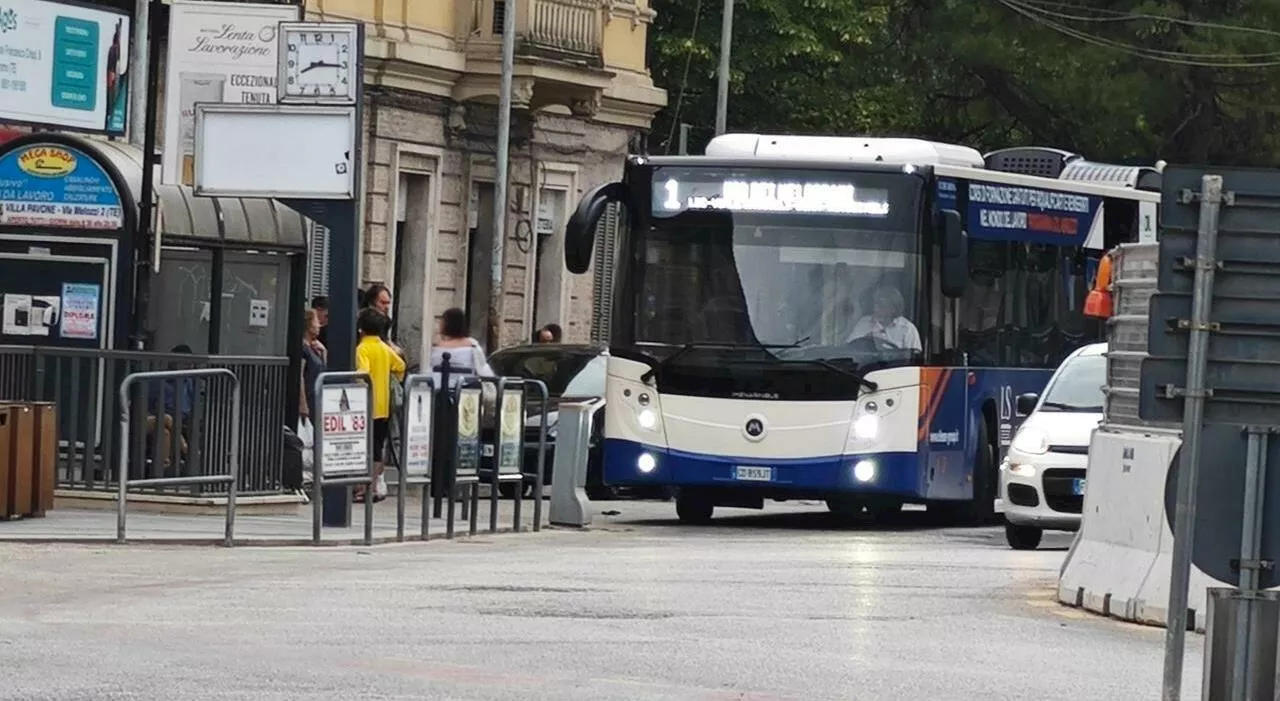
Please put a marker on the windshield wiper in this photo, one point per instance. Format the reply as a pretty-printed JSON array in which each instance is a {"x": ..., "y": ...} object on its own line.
[
  {"x": 847, "y": 372},
  {"x": 666, "y": 362},
  {"x": 1069, "y": 407}
]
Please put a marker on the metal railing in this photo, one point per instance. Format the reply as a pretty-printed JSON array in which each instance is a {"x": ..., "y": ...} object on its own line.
[
  {"x": 166, "y": 422},
  {"x": 549, "y": 27},
  {"x": 83, "y": 382}
]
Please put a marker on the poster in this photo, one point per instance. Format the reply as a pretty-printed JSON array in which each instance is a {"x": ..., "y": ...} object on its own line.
[
  {"x": 468, "y": 463},
  {"x": 64, "y": 65},
  {"x": 80, "y": 311},
  {"x": 28, "y": 315},
  {"x": 57, "y": 186},
  {"x": 344, "y": 429},
  {"x": 417, "y": 435},
  {"x": 512, "y": 425},
  {"x": 218, "y": 52}
]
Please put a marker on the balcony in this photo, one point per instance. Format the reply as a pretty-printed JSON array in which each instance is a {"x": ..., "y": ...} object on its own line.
[{"x": 569, "y": 31}]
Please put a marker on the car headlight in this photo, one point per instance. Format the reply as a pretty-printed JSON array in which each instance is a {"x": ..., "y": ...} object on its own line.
[
  {"x": 1021, "y": 469},
  {"x": 866, "y": 427},
  {"x": 1031, "y": 442}
]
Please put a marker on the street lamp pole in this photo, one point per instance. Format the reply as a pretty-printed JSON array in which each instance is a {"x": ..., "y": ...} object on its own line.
[
  {"x": 496, "y": 289},
  {"x": 722, "y": 92}
]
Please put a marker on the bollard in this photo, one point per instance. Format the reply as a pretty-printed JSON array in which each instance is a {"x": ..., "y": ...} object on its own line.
[
  {"x": 445, "y": 415},
  {"x": 540, "y": 471},
  {"x": 416, "y": 446},
  {"x": 569, "y": 503},
  {"x": 346, "y": 429},
  {"x": 465, "y": 468}
]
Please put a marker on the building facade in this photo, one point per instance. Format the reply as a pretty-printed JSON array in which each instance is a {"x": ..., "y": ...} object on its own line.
[{"x": 582, "y": 99}]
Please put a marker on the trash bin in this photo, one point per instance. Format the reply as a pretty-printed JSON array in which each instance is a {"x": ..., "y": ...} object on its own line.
[{"x": 28, "y": 458}]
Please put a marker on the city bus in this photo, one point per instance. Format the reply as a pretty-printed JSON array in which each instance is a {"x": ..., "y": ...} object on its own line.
[{"x": 840, "y": 319}]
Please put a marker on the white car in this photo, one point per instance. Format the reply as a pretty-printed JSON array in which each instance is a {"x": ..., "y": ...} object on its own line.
[{"x": 1042, "y": 477}]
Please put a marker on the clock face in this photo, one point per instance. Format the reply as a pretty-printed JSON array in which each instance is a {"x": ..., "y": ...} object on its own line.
[{"x": 318, "y": 63}]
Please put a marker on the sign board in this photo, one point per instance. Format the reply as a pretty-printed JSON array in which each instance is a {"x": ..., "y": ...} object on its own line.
[
  {"x": 1219, "y": 495},
  {"x": 1242, "y": 365},
  {"x": 468, "y": 457},
  {"x": 1001, "y": 212},
  {"x": 343, "y": 430},
  {"x": 511, "y": 431},
  {"x": 64, "y": 65},
  {"x": 417, "y": 432},
  {"x": 275, "y": 151},
  {"x": 51, "y": 185},
  {"x": 219, "y": 52}
]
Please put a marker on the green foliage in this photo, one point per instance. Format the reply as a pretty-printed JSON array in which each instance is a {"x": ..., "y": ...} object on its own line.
[{"x": 1115, "y": 80}]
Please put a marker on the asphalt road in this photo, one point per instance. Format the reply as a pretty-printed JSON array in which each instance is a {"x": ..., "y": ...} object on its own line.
[{"x": 788, "y": 605}]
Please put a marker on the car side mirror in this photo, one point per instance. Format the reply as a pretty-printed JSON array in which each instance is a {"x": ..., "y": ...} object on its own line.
[
  {"x": 580, "y": 231},
  {"x": 1026, "y": 403}
]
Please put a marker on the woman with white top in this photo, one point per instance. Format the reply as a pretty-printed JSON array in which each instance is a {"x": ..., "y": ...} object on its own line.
[{"x": 466, "y": 356}]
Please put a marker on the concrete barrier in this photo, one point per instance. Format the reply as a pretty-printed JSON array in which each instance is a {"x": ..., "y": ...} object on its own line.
[{"x": 1120, "y": 561}]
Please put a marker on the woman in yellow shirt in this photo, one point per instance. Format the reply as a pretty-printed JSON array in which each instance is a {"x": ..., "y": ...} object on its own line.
[{"x": 375, "y": 357}]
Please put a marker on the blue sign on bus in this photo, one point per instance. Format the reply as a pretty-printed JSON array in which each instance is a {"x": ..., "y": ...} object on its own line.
[{"x": 1000, "y": 212}]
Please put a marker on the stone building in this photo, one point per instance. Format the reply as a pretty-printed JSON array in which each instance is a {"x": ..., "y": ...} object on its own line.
[{"x": 583, "y": 99}]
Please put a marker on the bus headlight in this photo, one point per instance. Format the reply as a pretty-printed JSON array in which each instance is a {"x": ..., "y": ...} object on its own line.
[
  {"x": 647, "y": 418},
  {"x": 867, "y": 427},
  {"x": 646, "y": 463},
  {"x": 864, "y": 471}
]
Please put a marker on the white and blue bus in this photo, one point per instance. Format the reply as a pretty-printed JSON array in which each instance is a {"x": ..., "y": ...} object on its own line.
[{"x": 842, "y": 319}]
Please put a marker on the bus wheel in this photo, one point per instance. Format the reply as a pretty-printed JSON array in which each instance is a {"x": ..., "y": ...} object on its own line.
[
  {"x": 884, "y": 510},
  {"x": 845, "y": 508},
  {"x": 694, "y": 508}
]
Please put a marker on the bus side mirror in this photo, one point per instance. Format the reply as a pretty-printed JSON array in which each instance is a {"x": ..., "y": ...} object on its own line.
[
  {"x": 580, "y": 232},
  {"x": 955, "y": 254}
]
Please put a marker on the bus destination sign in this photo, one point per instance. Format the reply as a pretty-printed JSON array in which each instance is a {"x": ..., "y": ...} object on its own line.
[{"x": 672, "y": 195}]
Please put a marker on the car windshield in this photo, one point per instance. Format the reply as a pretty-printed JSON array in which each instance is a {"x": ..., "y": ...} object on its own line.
[
  {"x": 742, "y": 259},
  {"x": 1078, "y": 386},
  {"x": 566, "y": 372}
]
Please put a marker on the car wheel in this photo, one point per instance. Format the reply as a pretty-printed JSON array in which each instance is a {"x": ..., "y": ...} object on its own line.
[
  {"x": 694, "y": 509},
  {"x": 602, "y": 493},
  {"x": 1022, "y": 537}
]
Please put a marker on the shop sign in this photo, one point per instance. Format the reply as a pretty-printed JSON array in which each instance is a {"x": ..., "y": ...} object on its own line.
[{"x": 56, "y": 186}]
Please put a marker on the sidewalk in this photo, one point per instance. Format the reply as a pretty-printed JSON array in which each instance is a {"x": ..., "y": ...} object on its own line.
[{"x": 99, "y": 526}]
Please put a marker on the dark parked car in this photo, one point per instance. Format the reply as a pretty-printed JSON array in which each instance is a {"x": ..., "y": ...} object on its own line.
[{"x": 572, "y": 373}]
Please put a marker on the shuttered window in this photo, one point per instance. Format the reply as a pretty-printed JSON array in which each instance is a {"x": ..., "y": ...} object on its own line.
[{"x": 317, "y": 260}]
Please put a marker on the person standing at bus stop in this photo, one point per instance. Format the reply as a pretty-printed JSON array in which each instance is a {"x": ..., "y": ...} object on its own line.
[{"x": 375, "y": 357}]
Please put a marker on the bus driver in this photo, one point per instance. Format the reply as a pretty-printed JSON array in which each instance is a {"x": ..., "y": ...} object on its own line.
[{"x": 886, "y": 324}]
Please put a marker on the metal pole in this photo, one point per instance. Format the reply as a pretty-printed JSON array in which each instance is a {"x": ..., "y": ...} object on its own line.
[
  {"x": 1193, "y": 413},
  {"x": 500, "y": 186},
  {"x": 722, "y": 90},
  {"x": 137, "y": 69},
  {"x": 145, "y": 236},
  {"x": 684, "y": 139},
  {"x": 1248, "y": 623}
]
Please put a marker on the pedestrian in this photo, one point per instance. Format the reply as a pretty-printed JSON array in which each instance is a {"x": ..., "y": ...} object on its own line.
[
  {"x": 315, "y": 359},
  {"x": 320, "y": 305},
  {"x": 466, "y": 355},
  {"x": 376, "y": 358},
  {"x": 542, "y": 335},
  {"x": 557, "y": 333},
  {"x": 378, "y": 297}
]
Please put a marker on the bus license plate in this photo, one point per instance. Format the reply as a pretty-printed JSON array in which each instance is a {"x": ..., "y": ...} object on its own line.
[
  {"x": 754, "y": 474},
  {"x": 1077, "y": 487}
]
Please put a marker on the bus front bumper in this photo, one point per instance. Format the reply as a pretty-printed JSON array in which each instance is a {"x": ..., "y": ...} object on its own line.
[{"x": 628, "y": 463}]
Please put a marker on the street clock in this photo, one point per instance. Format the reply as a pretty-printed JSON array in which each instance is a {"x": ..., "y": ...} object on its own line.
[{"x": 318, "y": 63}]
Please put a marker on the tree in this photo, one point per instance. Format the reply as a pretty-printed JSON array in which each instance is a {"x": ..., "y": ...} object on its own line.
[{"x": 1124, "y": 80}]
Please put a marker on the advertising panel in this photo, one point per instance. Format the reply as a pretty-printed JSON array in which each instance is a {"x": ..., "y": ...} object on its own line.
[{"x": 64, "y": 65}]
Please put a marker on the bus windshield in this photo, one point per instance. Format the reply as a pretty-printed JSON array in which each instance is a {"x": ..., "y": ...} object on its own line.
[{"x": 836, "y": 277}]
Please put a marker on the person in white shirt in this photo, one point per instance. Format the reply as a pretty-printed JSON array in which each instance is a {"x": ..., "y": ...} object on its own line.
[{"x": 886, "y": 324}]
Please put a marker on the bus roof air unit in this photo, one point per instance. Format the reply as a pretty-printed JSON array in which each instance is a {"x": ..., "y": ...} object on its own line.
[
  {"x": 1039, "y": 161},
  {"x": 843, "y": 149},
  {"x": 1136, "y": 177}
]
